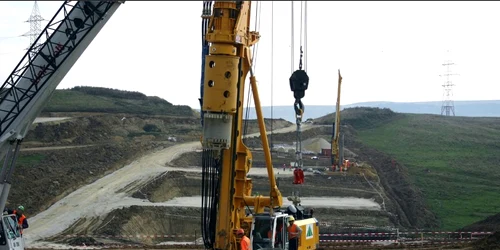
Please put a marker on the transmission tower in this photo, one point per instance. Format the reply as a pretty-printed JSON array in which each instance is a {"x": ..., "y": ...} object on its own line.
[
  {"x": 448, "y": 107},
  {"x": 35, "y": 21}
]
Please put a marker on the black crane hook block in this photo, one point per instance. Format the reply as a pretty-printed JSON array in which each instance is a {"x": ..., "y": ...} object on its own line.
[{"x": 298, "y": 83}]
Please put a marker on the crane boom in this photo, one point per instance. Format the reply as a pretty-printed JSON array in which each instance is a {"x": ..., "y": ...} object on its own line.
[
  {"x": 336, "y": 148},
  {"x": 33, "y": 81}
]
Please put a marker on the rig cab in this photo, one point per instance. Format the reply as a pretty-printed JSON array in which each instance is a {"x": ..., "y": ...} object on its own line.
[
  {"x": 10, "y": 234},
  {"x": 270, "y": 231}
]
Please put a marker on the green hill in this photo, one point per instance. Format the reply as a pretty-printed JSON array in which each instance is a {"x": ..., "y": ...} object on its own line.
[
  {"x": 105, "y": 100},
  {"x": 452, "y": 160}
]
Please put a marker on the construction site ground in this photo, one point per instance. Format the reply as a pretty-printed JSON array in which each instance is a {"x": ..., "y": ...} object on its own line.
[{"x": 99, "y": 179}]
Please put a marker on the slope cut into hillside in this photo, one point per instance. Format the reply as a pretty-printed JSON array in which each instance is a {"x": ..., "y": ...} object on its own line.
[
  {"x": 452, "y": 160},
  {"x": 114, "y": 191},
  {"x": 405, "y": 200},
  {"x": 59, "y": 156}
]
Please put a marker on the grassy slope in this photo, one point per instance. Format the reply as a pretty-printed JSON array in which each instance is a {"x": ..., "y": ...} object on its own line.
[
  {"x": 453, "y": 160},
  {"x": 94, "y": 99}
]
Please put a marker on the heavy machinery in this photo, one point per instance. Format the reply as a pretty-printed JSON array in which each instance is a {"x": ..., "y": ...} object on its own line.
[
  {"x": 338, "y": 162},
  {"x": 33, "y": 81},
  {"x": 226, "y": 160},
  {"x": 227, "y": 200}
]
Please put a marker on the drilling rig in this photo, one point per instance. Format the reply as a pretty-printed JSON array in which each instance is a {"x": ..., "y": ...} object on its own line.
[
  {"x": 338, "y": 162},
  {"x": 227, "y": 200}
]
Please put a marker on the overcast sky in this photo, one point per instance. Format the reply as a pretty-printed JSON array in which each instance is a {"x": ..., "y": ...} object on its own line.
[{"x": 386, "y": 51}]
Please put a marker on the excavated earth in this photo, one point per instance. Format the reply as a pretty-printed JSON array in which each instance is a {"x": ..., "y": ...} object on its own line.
[{"x": 60, "y": 157}]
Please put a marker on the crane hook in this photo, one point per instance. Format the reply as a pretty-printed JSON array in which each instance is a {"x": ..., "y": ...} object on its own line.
[{"x": 299, "y": 81}]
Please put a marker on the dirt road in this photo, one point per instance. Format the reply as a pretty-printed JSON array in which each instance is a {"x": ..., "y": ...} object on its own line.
[
  {"x": 53, "y": 148},
  {"x": 108, "y": 193},
  {"x": 104, "y": 195},
  {"x": 50, "y": 119},
  {"x": 317, "y": 202}
]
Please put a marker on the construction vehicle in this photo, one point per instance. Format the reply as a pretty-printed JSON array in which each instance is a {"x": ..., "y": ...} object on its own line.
[
  {"x": 226, "y": 160},
  {"x": 338, "y": 162},
  {"x": 227, "y": 200},
  {"x": 31, "y": 84}
]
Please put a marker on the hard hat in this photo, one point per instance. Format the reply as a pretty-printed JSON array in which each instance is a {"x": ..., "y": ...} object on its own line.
[
  {"x": 21, "y": 208},
  {"x": 240, "y": 231},
  {"x": 291, "y": 218}
]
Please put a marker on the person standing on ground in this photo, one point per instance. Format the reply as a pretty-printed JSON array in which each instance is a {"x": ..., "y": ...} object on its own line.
[{"x": 294, "y": 233}]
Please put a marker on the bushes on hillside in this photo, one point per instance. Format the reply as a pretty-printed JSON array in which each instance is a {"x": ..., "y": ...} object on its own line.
[
  {"x": 151, "y": 128},
  {"x": 105, "y": 100},
  {"x": 115, "y": 93}
]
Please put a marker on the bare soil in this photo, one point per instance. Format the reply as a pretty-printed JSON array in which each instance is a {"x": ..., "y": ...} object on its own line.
[
  {"x": 113, "y": 142},
  {"x": 178, "y": 223},
  {"x": 61, "y": 172},
  {"x": 170, "y": 185},
  {"x": 110, "y": 141}
]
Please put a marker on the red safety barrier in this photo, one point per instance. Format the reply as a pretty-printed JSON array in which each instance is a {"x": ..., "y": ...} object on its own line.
[
  {"x": 446, "y": 233},
  {"x": 324, "y": 235},
  {"x": 357, "y": 240}
]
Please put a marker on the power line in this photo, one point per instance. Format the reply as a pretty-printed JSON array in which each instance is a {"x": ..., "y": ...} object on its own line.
[{"x": 8, "y": 37}]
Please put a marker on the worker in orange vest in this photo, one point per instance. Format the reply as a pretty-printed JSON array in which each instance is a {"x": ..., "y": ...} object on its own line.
[
  {"x": 21, "y": 218},
  {"x": 244, "y": 241},
  {"x": 294, "y": 233}
]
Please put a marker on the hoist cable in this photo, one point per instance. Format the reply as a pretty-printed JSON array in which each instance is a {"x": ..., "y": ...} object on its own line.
[
  {"x": 254, "y": 63},
  {"x": 299, "y": 81},
  {"x": 305, "y": 36},
  {"x": 292, "y": 45},
  {"x": 272, "y": 75},
  {"x": 300, "y": 35},
  {"x": 301, "y": 18},
  {"x": 257, "y": 28}
]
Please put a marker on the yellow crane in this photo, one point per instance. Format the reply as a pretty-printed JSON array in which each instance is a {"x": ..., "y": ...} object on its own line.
[
  {"x": 338, "y": 161},
  {"x": 226, "y": 189},
  {"x": 227, "y": 200}
]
